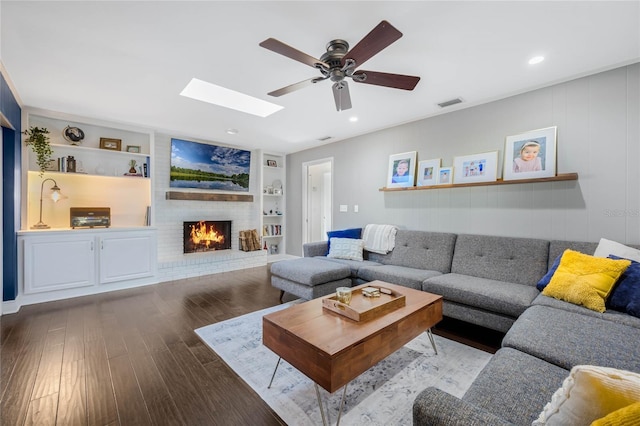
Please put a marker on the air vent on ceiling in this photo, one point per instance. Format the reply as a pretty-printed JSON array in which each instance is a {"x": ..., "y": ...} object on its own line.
[
  {"x": 450, "y": 102},
  {"x": 324, "y": 138}
]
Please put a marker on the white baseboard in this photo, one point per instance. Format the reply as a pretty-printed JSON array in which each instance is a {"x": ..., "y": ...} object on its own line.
[{"x": 10, "y": 307}]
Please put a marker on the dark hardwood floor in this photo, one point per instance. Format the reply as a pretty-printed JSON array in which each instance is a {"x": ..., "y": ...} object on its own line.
[{"x": 131, "y": 357}]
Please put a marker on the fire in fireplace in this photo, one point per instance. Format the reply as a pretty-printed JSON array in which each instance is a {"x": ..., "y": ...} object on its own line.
[{"x": 207, "y": 235}]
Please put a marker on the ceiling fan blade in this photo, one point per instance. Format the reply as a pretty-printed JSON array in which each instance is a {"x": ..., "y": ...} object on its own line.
[
  {"x": 380, "y": 37},
  {"x": 396, "y": 81},
  {"x": 295, "y": 86},
  {"x": 290, "y": 52},
  {"x": 341, "y": 95}
]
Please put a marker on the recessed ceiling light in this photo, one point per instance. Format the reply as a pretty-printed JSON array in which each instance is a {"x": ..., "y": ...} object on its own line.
[
  {"x": 536, "y": 60},
  {"x": 353, "y": 119},
  {"x": 232, "y": 131},
  {"x": 217, "y": 95}
]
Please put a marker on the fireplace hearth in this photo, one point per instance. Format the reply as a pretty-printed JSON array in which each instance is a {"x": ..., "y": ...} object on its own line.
[{"x": 206, "y": 235}]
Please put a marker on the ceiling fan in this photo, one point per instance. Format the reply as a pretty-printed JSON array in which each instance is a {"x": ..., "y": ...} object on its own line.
[{"x": 338, "y": 63}]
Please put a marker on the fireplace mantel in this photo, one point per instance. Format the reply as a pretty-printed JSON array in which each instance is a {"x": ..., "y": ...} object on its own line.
[{"x": 205, "y": 196}]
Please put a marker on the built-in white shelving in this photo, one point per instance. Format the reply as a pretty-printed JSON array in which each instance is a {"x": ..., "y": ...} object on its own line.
[{"x": 272, "y": 223}]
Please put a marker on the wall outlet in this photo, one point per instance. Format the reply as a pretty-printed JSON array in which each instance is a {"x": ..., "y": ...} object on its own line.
[{"x": 355, "y": 208}]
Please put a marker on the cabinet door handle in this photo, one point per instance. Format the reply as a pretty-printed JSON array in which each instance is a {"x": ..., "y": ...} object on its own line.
[
  {"x": 91, "y": 245},
  {"x": 101, "y": 245}
]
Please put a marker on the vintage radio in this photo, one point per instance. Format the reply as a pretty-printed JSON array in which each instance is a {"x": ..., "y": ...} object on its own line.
[{"x": 90, "y": 217}]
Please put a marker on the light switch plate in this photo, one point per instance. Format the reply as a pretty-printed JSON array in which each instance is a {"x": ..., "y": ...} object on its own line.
[{"x": 344, "y": 208}]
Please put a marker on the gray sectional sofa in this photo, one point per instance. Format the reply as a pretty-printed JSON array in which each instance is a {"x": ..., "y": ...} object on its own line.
[
  {"x": 485, "y": 280},
  {"x": 490, "y": 281}
]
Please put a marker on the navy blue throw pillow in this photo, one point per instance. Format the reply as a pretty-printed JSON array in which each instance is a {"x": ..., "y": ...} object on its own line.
[
  {"x": 625, "y": 296},
  {"x": 547, "y": 277},
  {"x": 354, "y": 233}
]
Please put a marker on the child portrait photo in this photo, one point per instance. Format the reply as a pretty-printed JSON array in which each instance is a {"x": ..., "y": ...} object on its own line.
[
  {"x": 402, "y": 168},
  {"x": 530, "y": 155}
]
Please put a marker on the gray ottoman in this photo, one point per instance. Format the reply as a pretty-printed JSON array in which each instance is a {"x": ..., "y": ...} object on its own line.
[{"x": 309, "y": 277}]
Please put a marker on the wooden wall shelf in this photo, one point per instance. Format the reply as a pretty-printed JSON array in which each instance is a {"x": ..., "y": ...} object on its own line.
[{"x": 557, "y": 178}]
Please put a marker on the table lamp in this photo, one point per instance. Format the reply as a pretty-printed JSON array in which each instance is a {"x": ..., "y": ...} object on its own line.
[{"x": 55, "y": 196}]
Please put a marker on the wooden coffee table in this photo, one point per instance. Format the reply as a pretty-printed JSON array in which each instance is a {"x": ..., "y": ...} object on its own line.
[{"x": 332, "y": 349}]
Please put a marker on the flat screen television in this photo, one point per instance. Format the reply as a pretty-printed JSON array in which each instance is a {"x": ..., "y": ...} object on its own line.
[{"x": 205, "y": 166}]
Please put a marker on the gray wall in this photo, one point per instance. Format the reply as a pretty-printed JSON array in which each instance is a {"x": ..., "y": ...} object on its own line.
[{"x": 598, "y": 137}]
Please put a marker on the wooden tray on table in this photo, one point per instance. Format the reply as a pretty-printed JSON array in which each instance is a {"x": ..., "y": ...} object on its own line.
[{"x": 364, "y": 308}]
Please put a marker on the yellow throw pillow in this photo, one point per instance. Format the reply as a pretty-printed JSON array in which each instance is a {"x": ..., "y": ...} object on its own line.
[
  {"x": 626, "y": 416},
  {"x": 578, "y": 293},
  {"x": 590, "y": 393},
  {"x": 585, "y": 280}
]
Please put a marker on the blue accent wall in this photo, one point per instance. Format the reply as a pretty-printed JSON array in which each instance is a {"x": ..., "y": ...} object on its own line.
[{"x": 11, "y": 181}]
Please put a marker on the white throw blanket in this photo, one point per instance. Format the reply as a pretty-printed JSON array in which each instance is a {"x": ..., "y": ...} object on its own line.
[{"x": 379, "y": 238}]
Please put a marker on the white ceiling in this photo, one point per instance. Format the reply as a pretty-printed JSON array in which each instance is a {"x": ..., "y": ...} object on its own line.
[{"x": 128, "y": 61}]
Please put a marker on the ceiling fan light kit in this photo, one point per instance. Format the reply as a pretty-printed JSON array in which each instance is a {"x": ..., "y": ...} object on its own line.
[{"x": 339, "y": 63}]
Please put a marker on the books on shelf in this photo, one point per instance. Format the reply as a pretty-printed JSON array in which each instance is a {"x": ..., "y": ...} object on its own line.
[{"x": 271, "y": 230}]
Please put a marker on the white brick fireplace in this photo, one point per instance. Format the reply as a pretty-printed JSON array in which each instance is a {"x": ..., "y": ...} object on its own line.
[{"x": 170, "y": 214}]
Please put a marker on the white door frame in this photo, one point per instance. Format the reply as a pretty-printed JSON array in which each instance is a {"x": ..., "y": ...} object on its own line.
[{"x": 306, "y": 194}]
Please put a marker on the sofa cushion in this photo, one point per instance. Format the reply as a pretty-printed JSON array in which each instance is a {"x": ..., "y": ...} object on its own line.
[
  {"x": 516, "y": 260},
  {"x": 590, "y": 393},
  {"x": 578, "y": 293},
  {"x": 422, "y": 250},
  {"x": 342, "y": 233},
  {"x": 346, "y": 248},
  {"x": 433, "y": 406},
  {"x": 557, "y": 247},
  {"x": 585, "y": 280},
  {"x": 515, "y": 386},
  {"x": 607, "y": 247},
  {"x": 608, "y": 315},
  {"x": 310, "y": 270},
  {"x": 354, "y": 265},
  {"x": 317, "y": 248},
  {"x": 544, "y": 281},
  {"x": 492, "y": 295},
  {"x": 596, "y": 272},
  {"x": 625, "y": 296},
  {"x": 566, "y": 339},
  {"x": 401, "y": 275}
]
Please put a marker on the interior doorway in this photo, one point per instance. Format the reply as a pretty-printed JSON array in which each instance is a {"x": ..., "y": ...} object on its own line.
[{"x": 318, "y": 199}]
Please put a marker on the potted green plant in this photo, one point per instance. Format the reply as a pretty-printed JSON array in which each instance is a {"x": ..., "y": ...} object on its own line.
[
  {"x": 132, "y": 167},
  {"x": 38, "y": 140}
]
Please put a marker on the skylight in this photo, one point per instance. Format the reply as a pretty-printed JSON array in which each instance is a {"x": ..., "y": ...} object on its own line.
[{"x": 217, "y": 95}]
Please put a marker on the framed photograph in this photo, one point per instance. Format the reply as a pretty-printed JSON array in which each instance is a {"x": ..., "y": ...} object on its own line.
[
  {"x": 445, "y": 176},
  {"x": 112, "y": 144},
  {"x": 402, "y": 169},
  {"x": 272, "y": 163},
  {"x": 530, "y": 155},
  {"x": 428, "y": 172},
  {"x": 476, "y": 168},
  {"x": 133, "y": 148}
]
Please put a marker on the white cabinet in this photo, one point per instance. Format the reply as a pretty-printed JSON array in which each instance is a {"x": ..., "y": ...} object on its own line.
[
  {"x": 127, "y": 256},
  {"x": 79, "y": 259},
  {"x": 58, "y": 263},
  {"x": 273, "y": 205}
]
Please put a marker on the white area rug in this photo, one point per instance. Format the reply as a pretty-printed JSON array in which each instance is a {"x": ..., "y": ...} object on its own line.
[{"x": 383, "y": 395}]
